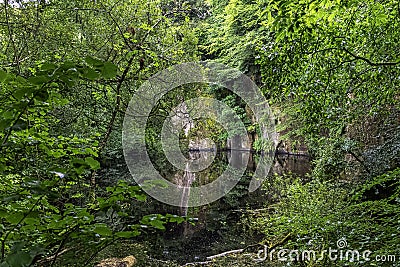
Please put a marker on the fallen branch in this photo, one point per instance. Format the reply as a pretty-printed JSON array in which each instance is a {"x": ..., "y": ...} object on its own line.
[
  {"x": 210, "y": 259},
  {"x": 226, "y": 253},
  {"x": 197, "y": 263}
]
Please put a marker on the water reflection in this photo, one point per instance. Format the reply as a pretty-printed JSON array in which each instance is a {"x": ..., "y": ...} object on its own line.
[
  {"x": 186, "y": 179},
  {"x": 217, "y": 226}
]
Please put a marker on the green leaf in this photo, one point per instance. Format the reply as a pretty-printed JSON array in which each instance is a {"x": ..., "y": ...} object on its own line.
[
  {"x": 91, "y": 152},
  {"x": 67, "y": 80},
  {"x": 42, "y": 95},
  {"x": 140, "y": 197},
  {"x": 94, "y": 164},
  {"x": 31, "y": 221},
  {"x": 20, "y": 125},
  {"x": 157, "y": 224},
  {"x": 109, "y": 70},
  {"x": 94, "y": 62},
  {"x": 102, "y": 230},
  {"x": 19, "y": 259},
  {"x": 90, "y": 74},
  {"x": 4, "y": 124},
  {"x": 20, "y": 79},
  {"x": 127, "y": 234},
  {"x": 381, "y": 18},
  {"x": 48, "y": 66},
  {"x": 175, "y": 218},
  {"x": 8, "y": 114},
  {"x": 20, "y": 93},
  {"x": 3, "y": 75},
  {"x": 38, "y": 80},
  {"x": 77, "y": 162},
  {"x": 14, "y": 218},
  {"x": 3, "y": 213},
  {"x": 66, "y": 66}
]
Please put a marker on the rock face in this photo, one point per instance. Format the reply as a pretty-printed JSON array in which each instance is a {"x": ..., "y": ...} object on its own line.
[
  {"x": 384, "y": 157},
  {"x": 116, "y": 262}
]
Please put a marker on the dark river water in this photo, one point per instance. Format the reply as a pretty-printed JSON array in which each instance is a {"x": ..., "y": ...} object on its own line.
[{"x": 221, "y": 225}]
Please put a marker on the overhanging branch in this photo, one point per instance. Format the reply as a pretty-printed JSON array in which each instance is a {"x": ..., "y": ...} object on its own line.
[{"x": 369, "y": 62}]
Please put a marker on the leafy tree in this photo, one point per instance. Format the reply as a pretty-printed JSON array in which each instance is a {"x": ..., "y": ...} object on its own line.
[{"x": 68, "y": 69}]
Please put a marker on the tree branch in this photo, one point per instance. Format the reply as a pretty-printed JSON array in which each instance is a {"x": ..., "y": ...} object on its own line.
[{"x": 368, "y": 61}]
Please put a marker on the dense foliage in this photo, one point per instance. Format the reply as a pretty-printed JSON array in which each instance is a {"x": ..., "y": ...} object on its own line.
[
  {"x": 330, "y": 70},
  {"x": 68, "y": 69}
]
